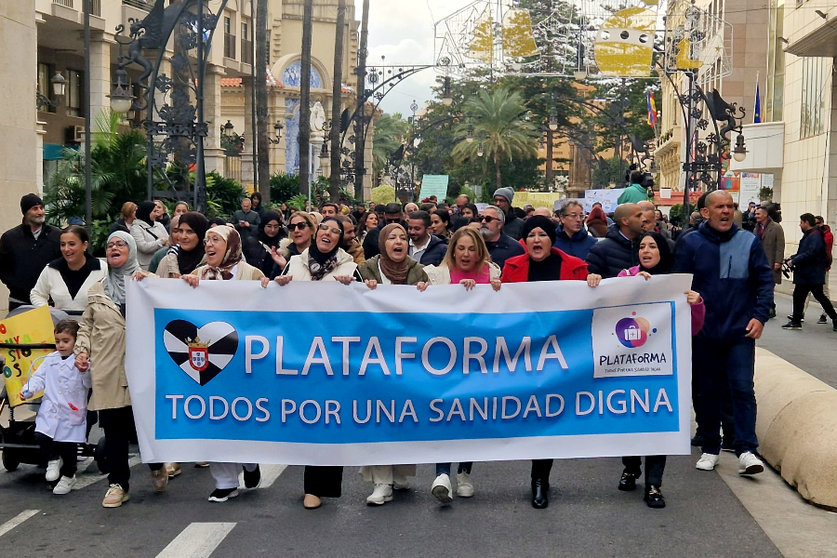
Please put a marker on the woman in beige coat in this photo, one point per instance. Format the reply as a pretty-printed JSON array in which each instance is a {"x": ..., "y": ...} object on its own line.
[{"x": 100, "y": 346}]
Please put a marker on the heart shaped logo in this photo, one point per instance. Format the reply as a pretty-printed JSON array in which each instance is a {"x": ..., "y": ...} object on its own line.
[{"x": 200, "y": 352}]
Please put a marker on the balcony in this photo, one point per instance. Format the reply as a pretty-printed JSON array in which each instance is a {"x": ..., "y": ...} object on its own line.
[
  {"x": 229, "y": 45},
  {"x": 95, "y": 5},
  {"x": 246, "y": 51}
]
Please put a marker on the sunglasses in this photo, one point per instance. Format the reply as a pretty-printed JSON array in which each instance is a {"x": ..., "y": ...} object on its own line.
[
  {"x": 325, "y": 227},
  {"x": 487, "y": 219},
  {"x": 299, "y": 226}
]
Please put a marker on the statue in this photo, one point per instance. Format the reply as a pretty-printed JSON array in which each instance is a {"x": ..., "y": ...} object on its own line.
[{"x": 317, "y": 121}]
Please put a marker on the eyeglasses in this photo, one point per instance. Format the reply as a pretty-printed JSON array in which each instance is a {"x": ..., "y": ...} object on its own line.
[
  {"x": 573, "y": 216},
  {"x": 299, "y": 226},
  {"x": 325, "y": 227},
  {"x": 487, "y": 218},
  {"x": 116, "y": 244}
]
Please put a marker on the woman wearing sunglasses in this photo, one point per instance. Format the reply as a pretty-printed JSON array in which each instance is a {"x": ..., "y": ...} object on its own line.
[
  {"x": 301, "y": 227},
  {"x": 322, "y": 260}
]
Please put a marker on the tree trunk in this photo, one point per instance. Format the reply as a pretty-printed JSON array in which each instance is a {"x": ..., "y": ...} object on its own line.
[
  {"x": 305, "y": 100},
  {"x": 497, "y": 170},
  {"x": 336, "y": 104},
  {"x": 549, "y": 155},
  {"x": 262, "y": 145},
  {"x": 360, "y": 124}
]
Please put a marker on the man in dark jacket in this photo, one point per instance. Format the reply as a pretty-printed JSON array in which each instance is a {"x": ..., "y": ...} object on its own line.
[
  {"x": 618, "y": 249},
  {"x": 500, "y": 245},
  {"x": 425, "y": 248},
  {"x": 512, "y": 224},
  {"x": 26, "y": 249},
  {"x": 570, "y": 235},
  {"x": 731, "y": 273},
  {"x": 809, "y": 265}
]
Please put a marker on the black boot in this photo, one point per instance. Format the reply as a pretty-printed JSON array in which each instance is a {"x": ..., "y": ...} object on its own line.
[
  {"x": 653, "y": 497},
  {"x": 628, "y": 480},
  {"x": 540, "y": 493}
]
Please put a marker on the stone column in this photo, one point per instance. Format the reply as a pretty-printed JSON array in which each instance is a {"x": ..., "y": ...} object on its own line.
[
  {"x": 100, "y": 78},
  {"x": 214, "y": 157}
]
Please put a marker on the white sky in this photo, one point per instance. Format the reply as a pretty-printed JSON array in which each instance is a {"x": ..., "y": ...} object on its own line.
[{"x": 402, "y": 31}]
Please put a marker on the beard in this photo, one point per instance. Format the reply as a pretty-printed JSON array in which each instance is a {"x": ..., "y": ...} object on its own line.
[{"x": 35, "y": 220}]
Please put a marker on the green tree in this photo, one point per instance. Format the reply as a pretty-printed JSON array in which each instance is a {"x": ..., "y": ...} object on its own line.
[
  {"x": 500, "y": 128},
  {"x": 223, "y": 195},
  {"x": 283, "y": 187},
  {"x": 390, "y": 134}
]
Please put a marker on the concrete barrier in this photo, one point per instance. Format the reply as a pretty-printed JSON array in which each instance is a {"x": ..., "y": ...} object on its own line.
[{"x": 797, "y": 427}]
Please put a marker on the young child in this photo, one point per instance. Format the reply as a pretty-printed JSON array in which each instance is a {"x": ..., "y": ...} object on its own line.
[{"x": 62, "y": 418}]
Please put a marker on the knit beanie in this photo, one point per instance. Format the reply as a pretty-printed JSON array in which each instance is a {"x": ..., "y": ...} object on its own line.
[
  {"x": 29, "y": 201},
  {"x": 538, "y": 221},
  {"x": 507, "y": 193}
]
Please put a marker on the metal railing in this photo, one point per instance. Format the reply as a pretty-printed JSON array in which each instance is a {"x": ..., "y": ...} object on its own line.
[
  {"x": 246, "y": 51},
  {"x": 141, "y": 4},
  {"x": 229, "y": 45}
]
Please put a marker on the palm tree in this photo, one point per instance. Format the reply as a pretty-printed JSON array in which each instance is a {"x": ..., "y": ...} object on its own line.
[
  {"x": 390, "y": 133},
  {"x": 500, "y": 130}
]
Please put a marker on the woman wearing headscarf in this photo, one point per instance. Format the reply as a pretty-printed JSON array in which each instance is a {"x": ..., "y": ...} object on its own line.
[
  {"x": 224, "y": 262},
  {"x": 301, "y": 229},
  {"x": 100, "y": 346},
  {"x": 466, "y": 263},
  {"x": 66, "y": 280},
  {"x": 191, "y": 227},
  {"x": 149, "y": 235},
  {"x": 391, "y": 266},
  {"x": 597, "y": 222},
  {"x": 541, "y": 262},
  {"x": 323, "y": 260},
  {"x": 655, "y": 258}
]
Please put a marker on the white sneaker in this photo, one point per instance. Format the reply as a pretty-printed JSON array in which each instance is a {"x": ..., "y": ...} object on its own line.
[
  {"x": 441, "y": 489},
  {"x": 65, "y": 485},
  {"x": 707, "y": 462},
  {"x": 380, "y": 496},
  {"x": 53, "y": 470},
  {"x": 400, "y": 481},
  {"x": 464, "y": 485},
  {"x": 749, "y": 464}
]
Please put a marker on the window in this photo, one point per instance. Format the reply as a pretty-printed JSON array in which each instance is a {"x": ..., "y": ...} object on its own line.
[
  {"x": 229, "y": 39},
  {"x": 246, "y": 44},
  {"x": 45, "y": 73},
  {"x": 814, "y": 80},
  {"x": 75, "y": 93}
]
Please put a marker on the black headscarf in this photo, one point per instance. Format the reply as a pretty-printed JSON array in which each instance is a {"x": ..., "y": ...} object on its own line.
[
  {"x": 320, "y": 263},
  {"x": 666, "y": 257},
  {"x": 265, "y": 219},
  {"x": 144, "y": 210},
  {"x": 188, "y": 261},
  {"x": 544, "y": 223}
]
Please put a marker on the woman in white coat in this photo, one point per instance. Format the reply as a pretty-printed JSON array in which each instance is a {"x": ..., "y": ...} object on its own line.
[
  {"x": 149, "y": 234},
  {"x": 67, "y": 279}
]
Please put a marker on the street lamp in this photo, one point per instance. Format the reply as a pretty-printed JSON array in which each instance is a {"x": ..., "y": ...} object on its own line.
[
  {"x": 120, "y": 96},
  {"x": 58, "y": 84},
  {"x": 740, "y": 152},
  {"x": 278, "y": 129},
  {"x": 447, "y": 97}
]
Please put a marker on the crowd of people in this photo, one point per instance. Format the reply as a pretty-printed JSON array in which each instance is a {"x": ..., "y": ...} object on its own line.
[{"x": 422, "y": 245}]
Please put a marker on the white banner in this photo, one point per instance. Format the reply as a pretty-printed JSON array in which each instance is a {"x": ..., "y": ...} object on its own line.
[{"x": 328, "y": 374}]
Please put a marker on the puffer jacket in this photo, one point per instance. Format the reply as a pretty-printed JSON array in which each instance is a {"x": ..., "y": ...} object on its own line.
[
  {"x": 298, "y": 266},
  {"x": 612, "y": 254}
]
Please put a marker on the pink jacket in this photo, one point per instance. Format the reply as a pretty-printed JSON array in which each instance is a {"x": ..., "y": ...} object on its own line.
[{"x": 698, "y": 310}]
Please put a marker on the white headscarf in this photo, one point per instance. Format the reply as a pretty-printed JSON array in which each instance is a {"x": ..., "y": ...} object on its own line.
[{"x": 115, "y": 283}]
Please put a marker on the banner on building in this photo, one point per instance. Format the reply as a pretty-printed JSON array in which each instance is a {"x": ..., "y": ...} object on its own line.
[{"x": 325, "y": 374}]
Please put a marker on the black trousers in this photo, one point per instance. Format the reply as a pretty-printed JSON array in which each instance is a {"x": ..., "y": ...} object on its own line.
[
  {"x": 541, "y": 468},
  {"x": 800, "y": 293},
  {"x": 118, "y": 425},
  {"x": 323, "y": 481},
  {"x": 67, "y": 451},
  {"x": 654, "y": 467}
]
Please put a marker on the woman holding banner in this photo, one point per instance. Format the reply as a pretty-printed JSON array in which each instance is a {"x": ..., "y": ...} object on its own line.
[
  {"x": 466, "y": 263},
  {"x": 323, "y": 260},
  {"x": 190, "y": 254},
  {"x": 301, "y": 228},
  {"x": 100, "y": 346},
  {"x": 392, "y": 266},
  {"x": 655, "y": 258},
  {"x": 541, "y": 262},
  {"x": 224, "y": 262}
]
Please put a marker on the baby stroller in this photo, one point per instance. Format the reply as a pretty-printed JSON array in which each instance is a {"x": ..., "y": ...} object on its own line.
[{"x": 17, "y": 440}]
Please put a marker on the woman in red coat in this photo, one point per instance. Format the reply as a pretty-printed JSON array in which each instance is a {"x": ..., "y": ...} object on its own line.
[{"x": 541, "y": 262}]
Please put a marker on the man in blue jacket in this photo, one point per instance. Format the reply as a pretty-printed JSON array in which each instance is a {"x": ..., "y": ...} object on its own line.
[
  {"x": 571, "y": 235},
  {"x": 731, "y": 273},
  {"x": 809, "y": 264}
]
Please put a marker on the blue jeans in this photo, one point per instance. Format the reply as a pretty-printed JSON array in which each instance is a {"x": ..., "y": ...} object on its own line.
[
  {"x": 445, "y": 468},
  {"x": 713, "y": 360}
]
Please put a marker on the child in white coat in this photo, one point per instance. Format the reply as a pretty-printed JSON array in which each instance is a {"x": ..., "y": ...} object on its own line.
[{"x": 61, "y": 423}]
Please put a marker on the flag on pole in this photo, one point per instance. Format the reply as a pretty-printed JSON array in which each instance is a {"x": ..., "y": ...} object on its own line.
[
  {"x": 652, "y": 110},
  {"x": 757, "y": 109}
]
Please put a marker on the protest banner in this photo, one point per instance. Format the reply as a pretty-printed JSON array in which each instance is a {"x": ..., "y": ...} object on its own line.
[
  {"x": 33, "y": 327},
  {"x": 326, "y": 374}
]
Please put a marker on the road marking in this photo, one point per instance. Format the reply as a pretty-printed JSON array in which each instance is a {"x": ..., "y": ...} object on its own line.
[
  {"x": 16, "y": 520},
  {"x": 85, "y": 480},
  {"x": 198, "y": 540},
  {"x": 269, "y": 475}
]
